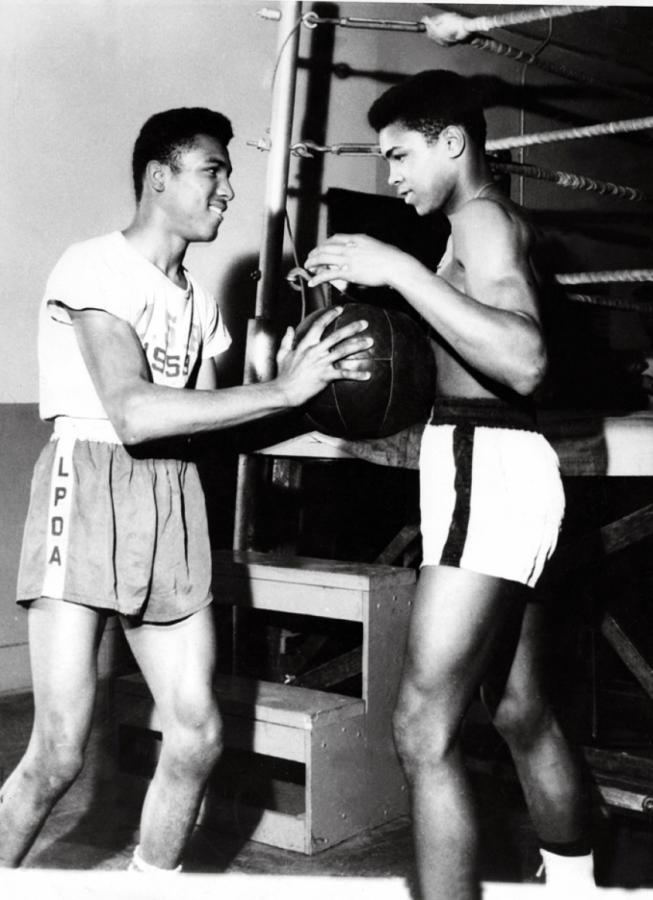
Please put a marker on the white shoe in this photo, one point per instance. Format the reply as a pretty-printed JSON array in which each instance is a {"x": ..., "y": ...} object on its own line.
[
  {"x": 569, "y": 873},
  {"x": 138, "y": 864}
]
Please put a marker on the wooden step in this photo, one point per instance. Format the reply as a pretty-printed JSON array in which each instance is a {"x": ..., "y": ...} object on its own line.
[
  {"x": 304, "y": 585},
  {"x": 261, "y": 716},
  {"x": 266, "y": 701}
]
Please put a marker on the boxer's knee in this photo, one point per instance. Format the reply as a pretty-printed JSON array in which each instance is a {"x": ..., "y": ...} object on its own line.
[{"x": 192, "y": 739}]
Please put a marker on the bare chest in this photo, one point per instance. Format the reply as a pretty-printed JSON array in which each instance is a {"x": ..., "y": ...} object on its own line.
[{"x": 451, "y": 269}]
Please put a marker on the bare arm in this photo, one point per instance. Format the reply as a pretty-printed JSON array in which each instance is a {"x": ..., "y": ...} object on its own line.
[
  {"x": 140, "y": 410},
  {"x": 488, "y": 314},
  {"x": 207, "y": 377}
]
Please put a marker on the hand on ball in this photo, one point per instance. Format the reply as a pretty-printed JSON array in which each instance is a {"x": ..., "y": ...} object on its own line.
[
  {"x": 401, "y": 386},
  {"x": 353, "y": 257},
  {"x": 307, "y": 367}
]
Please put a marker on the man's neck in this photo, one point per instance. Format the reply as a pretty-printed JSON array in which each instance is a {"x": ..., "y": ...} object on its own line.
[
  {"x": 475, "y": 181},
  {"x": 162, "y": 249}
]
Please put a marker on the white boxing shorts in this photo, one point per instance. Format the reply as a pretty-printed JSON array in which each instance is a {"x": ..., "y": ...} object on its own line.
[{"x": 491, "y": 495}]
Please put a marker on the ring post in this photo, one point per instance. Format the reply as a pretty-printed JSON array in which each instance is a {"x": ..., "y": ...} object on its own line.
[{"x": 270, "y": 259}]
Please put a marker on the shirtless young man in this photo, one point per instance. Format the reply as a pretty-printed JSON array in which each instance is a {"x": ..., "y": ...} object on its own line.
[
  {"x": 117, "y": 521},
  {"x": 491, "y": 496}
]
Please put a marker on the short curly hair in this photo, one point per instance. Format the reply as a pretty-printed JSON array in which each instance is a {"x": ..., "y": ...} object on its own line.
[
  {"x": 167, "y": 134},
  {"x": 430, "y": 101}
]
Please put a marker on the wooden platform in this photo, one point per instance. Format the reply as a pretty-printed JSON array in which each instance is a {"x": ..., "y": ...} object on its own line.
[{"x": 347, "y": 770}]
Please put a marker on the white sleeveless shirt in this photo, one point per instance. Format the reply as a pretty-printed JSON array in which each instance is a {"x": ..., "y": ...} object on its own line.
[{"x": 176, "y": 326}]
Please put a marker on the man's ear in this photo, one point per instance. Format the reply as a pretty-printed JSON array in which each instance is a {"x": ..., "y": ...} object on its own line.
[
  {"x": 455, "y": 140},
  {"x": 156, "y": 175}
]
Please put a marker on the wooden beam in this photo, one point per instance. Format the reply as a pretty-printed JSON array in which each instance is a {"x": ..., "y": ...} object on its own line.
[
  {"x": 398, "y": 545},
  {"x": 608, "y": 539},
  {"x": 605, "y": 763},
  {"x": 345, "y": 666},
  {"x": 628, "y": 652},
  {"x": 628, "y": 530}
]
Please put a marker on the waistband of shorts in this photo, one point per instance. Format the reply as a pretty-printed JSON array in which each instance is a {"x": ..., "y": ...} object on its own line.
[
  {"x": 484, "y": 412},
  {"x": 100, "y": 430}
]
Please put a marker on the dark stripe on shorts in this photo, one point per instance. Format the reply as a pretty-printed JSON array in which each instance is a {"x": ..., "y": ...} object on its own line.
[{"x": 463, "y": 449}]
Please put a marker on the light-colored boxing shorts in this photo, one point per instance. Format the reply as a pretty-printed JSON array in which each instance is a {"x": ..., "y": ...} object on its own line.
[
  {"x": 491, "y": 495},
  {"x": 113, "y": 531}
]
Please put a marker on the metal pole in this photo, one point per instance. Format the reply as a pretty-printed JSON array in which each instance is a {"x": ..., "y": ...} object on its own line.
[
  {"x": 281, "y": 119},
  {"x": 260, "y": 346}
]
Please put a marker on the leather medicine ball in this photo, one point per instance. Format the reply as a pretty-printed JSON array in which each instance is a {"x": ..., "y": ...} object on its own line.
[{"x": 401, "y": 388}]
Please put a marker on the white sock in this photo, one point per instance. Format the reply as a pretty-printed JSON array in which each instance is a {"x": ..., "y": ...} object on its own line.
[
  {"x": 138, "y": 864},
  {"x": 568, "y": 871}
]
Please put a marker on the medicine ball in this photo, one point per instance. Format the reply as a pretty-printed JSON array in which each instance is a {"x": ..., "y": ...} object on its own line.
[{"x": 401, "y": 388}]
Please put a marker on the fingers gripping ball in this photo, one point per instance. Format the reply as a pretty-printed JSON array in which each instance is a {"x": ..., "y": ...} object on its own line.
[{"x": 401, "y": 388}]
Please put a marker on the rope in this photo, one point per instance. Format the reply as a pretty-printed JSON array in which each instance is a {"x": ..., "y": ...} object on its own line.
[
  {"x": 450, "y": 28},
  {"x": 570, "y": 180},
  {"x": 522, "y": 17},
  {"x": 613, "y": 277},
  {"x": 522, "y": 56},
  {"x": 307, "y": 149},
  {"x": 571, "y": 134},
  {"x": 640, "y": 306},
  {"x": 312, "y": 20}
]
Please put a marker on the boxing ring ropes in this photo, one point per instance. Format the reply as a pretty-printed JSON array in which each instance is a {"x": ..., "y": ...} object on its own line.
[{"x": 613, "y": 446}]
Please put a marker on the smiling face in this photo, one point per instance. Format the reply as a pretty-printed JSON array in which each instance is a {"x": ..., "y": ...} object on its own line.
[
  {"x": 422, "y": 172},
  {"x": 196, "y": 189}
]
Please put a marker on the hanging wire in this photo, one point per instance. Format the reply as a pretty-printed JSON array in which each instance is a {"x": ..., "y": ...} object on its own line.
[
  {"x": 295, "y": 277},
  {"x": 296, "y": 284},
  {"x": 522, "y": 112},
  {"x": 292, "y": 31}
]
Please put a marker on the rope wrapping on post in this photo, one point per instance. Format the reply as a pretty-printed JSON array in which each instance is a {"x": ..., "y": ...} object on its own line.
[{"x": 601, "y": 129}]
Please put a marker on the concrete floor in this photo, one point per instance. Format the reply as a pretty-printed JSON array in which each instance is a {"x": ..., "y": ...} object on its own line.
[{"x": 94, "y": 827}]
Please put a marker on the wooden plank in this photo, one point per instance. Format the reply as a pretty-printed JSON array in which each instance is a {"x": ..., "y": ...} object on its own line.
[
  {"x": 399, "y": 544},
  {"x": 588, "y": 444},
  {"x": 634, "y": 801},
  {"x": 267, "y": 826},
  {"x": 290, "y": 597},
  {"x": 611, "y": 770},
  {"x": 266, "y": 738},
  {"x": 307, "y": 570},
  {"x": 283, "y": 704},
  {"x": 354, "y": 782},
  {"x": 627, "y": 530},
  {"x": 620, "y": 764},
  {"x": 345, "y": 666},
  {"x": 265, "y": 701},
  {"x": 610, "y": 538},
  {"x": 628, "y": 652}
]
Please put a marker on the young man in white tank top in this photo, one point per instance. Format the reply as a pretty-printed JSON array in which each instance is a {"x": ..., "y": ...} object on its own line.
[{"x": 117, "y": 521}]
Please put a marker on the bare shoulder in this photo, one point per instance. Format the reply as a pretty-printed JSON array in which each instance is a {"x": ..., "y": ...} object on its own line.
[
  {"x": 497, "y": 222},
  {"x": 496, "y": 210}
]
